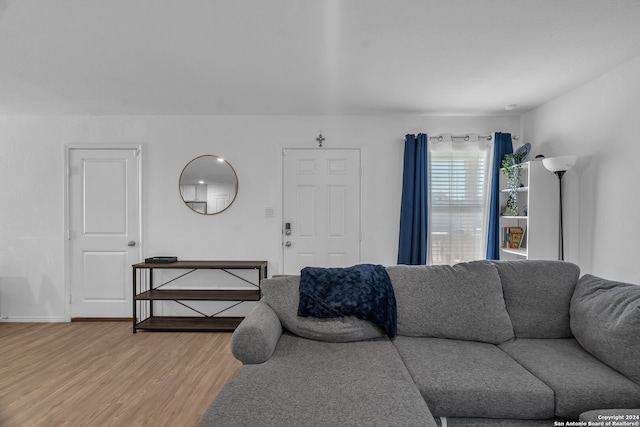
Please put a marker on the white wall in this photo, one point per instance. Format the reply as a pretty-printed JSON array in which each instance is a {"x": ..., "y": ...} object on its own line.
[
  {"x": 598, "y": 122},
  {"x": 31, "y": 190}
]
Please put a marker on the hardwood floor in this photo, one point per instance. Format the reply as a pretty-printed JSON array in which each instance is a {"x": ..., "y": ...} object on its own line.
[{"x": 101, "y": 374}]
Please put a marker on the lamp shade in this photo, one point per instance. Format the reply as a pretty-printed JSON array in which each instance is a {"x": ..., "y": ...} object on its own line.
[{"x": 562, "y": 163}]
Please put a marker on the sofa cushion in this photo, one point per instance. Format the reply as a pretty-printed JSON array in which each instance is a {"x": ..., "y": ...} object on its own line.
[
  {"x": 463, "y": 301},
  {"x": 283, "y": 296},
  {"x": 473, "y": 379},
  {"x": 605, "y": 319},
  {"x": 580, "y": 381},
  {"x": 308, "y": 383},
  {"x": 537, "y": 294}
]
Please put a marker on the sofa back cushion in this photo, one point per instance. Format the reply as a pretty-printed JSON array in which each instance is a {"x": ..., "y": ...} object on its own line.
[
  {"x": 282, "y": 294},
  {"x": 538, "y": 294},
  {"x": 605, "y": 319},
  {"x": 463, "y": 302}
]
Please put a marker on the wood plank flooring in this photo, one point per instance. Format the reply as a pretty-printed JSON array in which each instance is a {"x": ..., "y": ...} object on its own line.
[{"x": 101, "y": 374}]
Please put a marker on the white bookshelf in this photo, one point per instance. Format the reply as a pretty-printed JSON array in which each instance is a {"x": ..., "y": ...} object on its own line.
[{"x": 537, "y": 213}]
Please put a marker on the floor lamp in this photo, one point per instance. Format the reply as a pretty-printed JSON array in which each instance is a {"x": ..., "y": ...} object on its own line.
[{"x": 559, "y": 165}]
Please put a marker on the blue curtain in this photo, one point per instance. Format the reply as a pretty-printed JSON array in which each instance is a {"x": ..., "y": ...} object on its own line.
[
  {"x": 502, "y": 145},
  {"x": 412, "y": 248}
]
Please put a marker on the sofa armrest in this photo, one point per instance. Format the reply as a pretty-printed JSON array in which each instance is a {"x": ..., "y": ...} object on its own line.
[
  {"x": 255, "y": 339},
  {"x": 605, "y": 319}
]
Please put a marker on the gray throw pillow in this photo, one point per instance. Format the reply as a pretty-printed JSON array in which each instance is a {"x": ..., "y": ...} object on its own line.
[
  {"x": 283, "y": 296},
  {"x": 605, "y": 319},
  {"x": 463, "y": 301}
]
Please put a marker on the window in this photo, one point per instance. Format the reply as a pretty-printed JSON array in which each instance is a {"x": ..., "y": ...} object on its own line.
[{"x": 459, "y": 193}]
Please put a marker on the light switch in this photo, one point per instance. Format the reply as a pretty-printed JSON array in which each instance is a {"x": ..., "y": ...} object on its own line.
[{"x": 269, "y": 212}]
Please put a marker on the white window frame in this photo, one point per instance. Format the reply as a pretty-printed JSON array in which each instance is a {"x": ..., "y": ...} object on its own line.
[{"x": 450, "y": 144}]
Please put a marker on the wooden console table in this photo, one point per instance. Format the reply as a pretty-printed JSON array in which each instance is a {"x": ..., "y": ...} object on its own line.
[{"x": 145, "y": 292}]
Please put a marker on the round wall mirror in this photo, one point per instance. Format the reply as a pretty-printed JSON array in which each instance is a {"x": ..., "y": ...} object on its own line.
[{"x": 208, "y": 184}]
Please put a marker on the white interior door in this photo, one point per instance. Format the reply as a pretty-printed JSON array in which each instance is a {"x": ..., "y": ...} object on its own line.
[
  {"x": 321, "y": 204},
  {"x": 104, "y": 230}
]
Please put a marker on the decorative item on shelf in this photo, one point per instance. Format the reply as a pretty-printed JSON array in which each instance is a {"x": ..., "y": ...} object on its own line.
[
  {"x": 522, "y": 152},
  {"x": 515, "y": 238},
  {"x": 161, "y": 259},
  {"x": 512, "y": 168},
  {"x": 559, "y": 165},
  {"x": 512, "y": 237}
]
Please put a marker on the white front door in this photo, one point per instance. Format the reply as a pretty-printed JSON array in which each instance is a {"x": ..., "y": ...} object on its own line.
[
  {"x": 321, "y": 208},
  {"x": 104, "y": 230}
]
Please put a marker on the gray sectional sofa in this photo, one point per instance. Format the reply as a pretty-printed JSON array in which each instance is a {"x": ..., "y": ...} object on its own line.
[{"x": 485, "y": 343}]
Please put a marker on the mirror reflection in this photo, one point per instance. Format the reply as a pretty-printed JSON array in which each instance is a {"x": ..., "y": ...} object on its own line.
[{"x": 208, "y": 184}]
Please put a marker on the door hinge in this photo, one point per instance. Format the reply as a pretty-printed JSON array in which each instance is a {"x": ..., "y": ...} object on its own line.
[{"x": 70, "y": 298}]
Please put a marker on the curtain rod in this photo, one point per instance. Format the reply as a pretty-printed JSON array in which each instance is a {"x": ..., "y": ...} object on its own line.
[{"x": 466, "y": 137}]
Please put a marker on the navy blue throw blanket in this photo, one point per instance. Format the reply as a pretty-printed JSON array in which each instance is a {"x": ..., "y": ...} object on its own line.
[{"x": 363, "y": 291}]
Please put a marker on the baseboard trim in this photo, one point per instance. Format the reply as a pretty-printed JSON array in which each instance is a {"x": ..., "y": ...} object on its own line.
[
  {"x": 13, "y": 319},
  {"x": 101, "y": 319}
]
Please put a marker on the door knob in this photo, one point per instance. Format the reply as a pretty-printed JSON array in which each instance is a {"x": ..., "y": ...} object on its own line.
[
  {"x": 131, "y": 243},
  {"x": 287, "y": 243}
]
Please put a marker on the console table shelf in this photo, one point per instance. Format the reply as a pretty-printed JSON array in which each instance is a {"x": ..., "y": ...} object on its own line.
[
  {"x": 201, "y": 295},
  {"x": 190, "y": 324},
  {"x": 145, "y": 292}
]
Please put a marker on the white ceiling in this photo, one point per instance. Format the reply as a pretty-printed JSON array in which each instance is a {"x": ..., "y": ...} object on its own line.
[{"x": 291, "y": 57}]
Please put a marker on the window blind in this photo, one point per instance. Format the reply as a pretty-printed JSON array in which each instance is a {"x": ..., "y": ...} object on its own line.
[{"x": 457, "y": 198}]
